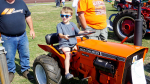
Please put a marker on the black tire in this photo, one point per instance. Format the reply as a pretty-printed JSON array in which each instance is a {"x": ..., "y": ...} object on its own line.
[
  {"x": 122, "y": 27},
  {"x": 46, "y": 70},
  {"x": 119, "y": 8}
]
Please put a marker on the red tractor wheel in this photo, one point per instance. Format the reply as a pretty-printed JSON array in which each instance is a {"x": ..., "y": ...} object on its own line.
[{"x": 123, "y": 24}]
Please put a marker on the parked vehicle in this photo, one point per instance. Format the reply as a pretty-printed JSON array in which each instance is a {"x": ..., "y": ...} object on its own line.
[
  {"x": 123, "y": 22},
  {"x": 122, "y": 5},
  {"x": 98, "y": 61}
]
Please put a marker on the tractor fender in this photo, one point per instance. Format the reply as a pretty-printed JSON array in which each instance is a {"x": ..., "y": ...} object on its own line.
[{"x": 51, "y": 49}]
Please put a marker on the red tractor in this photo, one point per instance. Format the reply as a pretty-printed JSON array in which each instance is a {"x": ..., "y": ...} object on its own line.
[
  {"x": 98, "y": 61},
  {"x": 123, "y": 23},
  {"x": 122, "y": 5}
]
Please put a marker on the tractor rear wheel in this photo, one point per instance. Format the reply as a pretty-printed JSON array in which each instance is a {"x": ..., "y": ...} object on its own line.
[
  {"x": 46, "y": 70},
  {"x": 123, "y": 24}
]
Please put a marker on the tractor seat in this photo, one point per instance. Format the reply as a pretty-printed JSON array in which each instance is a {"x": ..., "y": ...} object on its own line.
[
  {"x": 59, "y": 50},
  {"x": 53, "y": 39}
]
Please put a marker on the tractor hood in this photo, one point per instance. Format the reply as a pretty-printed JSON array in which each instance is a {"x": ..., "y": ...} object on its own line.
[{"x": 111, "y": 48}]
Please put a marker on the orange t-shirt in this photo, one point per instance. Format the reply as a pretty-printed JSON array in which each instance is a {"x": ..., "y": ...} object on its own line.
[{"x": 94, "y": 13}]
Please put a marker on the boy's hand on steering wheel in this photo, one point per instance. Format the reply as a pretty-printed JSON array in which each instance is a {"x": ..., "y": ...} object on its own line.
[{"x": 66, "y": 37}]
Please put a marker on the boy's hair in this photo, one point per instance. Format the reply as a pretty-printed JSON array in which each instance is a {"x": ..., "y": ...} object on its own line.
[{"x": 67, "y": 10}]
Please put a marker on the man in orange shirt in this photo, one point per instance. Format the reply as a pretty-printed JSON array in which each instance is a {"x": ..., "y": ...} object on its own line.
[{"x": 92, "y": 15}]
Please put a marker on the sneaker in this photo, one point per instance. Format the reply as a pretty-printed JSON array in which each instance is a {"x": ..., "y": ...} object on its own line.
[
  {"x": 68, "y": 76},
  {"x": 11, "y": 76},
  {"x": 27, "y": 75}
]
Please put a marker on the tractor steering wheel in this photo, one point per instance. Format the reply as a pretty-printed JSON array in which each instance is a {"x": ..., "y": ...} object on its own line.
[{"x": 83, "y": 34}]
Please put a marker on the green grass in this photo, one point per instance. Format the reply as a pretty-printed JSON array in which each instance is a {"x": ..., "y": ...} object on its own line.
[{"x": 45, "y": 18}]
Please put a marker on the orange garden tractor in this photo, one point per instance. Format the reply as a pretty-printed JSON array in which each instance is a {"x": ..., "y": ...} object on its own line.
[{"x": 98, "y": 61}]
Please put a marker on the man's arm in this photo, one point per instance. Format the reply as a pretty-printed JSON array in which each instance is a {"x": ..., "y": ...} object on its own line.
[
  {"x": 82, "y": 19},
  {"x": 30, "y": 24}
]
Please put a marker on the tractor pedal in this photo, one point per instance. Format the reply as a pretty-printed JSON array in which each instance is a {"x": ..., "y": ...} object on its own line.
[{"x": 86, "y": 78}]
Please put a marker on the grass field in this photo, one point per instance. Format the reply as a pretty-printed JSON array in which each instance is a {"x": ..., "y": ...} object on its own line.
[{"x": 45, "y": 18}]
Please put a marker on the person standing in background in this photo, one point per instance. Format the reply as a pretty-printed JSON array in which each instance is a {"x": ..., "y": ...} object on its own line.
[
  {"x": 57, "y": 3},
  {"x": 13, "y": 17},
  {"x": 63, "y": 2},
  {"x": 92, "y": 16},
  {"x": 60, "y": 3}
]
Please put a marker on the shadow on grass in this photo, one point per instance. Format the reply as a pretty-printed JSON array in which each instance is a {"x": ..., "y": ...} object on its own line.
[
  {"x": 147, "y": 36},
  {"x": 73, "y": 81},
  {"x": 18, "y": 70},
  {"x": 113, "y": 10},
  {"x": 147, "y": 67},
  {"x": 112, "y": 36},
  {"x": 57, "y": 7}
]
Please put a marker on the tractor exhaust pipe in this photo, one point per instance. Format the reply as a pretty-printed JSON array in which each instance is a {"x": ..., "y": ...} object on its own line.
[{"x": 138, "y": 24}]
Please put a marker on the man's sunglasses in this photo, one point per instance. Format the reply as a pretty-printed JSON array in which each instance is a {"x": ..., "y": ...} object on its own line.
[{"x": 67, "y": 16}]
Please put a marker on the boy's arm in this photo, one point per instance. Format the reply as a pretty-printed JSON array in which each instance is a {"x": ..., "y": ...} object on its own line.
[{"x": 63, "y": 36}]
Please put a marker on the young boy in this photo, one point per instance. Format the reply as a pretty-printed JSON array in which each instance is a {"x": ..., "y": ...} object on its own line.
[{"x": 64, "y": 29}]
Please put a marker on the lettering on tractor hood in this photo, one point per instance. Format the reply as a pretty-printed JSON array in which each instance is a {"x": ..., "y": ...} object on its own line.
[{"x": 101, "y": 54}]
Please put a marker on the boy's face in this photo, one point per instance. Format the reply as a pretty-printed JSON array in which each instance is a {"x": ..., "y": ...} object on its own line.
[{"x": 65, "y": 17}]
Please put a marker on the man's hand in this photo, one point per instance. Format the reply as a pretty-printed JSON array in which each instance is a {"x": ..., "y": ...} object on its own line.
[{"x": 32, "y": 33}]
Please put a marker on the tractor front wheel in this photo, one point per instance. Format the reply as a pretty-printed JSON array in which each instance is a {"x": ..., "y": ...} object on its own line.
[
  {"x": 46, "y": 70},
  {"x": 124, "y": 23},
  {"x": 119, "y": 8}
]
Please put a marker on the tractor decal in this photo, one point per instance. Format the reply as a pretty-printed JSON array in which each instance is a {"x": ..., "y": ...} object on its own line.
[
  {"x": 85, "y": 55},
  {"x": 100, "y": 54}
]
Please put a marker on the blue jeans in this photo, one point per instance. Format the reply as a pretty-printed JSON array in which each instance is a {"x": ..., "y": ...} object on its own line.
[
  {"x": 57, "y": 3},
  {"x": 12, "y": 44}
]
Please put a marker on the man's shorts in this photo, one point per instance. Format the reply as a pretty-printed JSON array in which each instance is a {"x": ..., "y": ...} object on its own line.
[
  {"x": 67, "y": 45},
  {"x": 101, "y": 34}
]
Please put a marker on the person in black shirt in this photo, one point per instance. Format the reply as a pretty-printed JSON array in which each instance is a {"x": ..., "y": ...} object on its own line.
[{"x": 13, "y": 17}]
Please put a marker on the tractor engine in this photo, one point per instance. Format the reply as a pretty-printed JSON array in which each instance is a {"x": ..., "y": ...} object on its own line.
[
  {"x": 105, "y": 66},
  {"x": 107, "y": 62}
]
